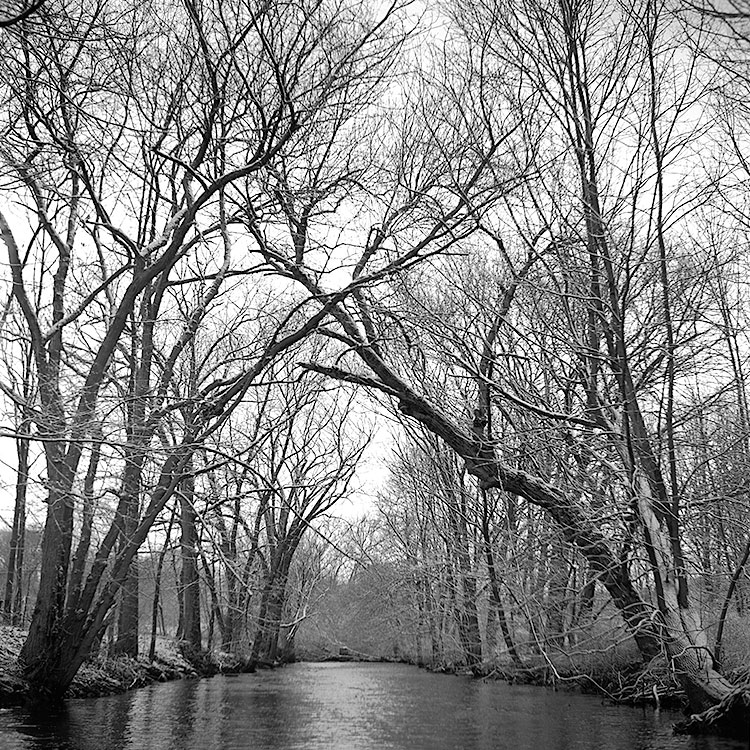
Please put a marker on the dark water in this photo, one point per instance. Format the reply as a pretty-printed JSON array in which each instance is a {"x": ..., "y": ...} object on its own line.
[{"x": 347, "y": 706}]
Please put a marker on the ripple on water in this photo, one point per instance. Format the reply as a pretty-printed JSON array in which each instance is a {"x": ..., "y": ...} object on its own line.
[{"x": 343, "y": 705}]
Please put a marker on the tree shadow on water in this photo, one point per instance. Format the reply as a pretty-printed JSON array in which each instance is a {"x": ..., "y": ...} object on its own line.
[{"x": 75, "y": 725}]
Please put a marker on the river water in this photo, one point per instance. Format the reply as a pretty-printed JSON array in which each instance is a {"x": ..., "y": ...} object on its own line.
[{"x": 346, "y": 706}]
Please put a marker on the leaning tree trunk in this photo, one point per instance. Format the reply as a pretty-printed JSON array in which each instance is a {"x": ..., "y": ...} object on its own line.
[
  {"x": 684, "y": 639},
  {"x": 671, "y": 627}
]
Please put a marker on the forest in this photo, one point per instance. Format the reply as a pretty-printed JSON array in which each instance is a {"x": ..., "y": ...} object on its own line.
[{"x": 381, "y": 330}]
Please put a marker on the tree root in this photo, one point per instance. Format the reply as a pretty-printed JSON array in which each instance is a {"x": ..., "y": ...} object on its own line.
[{"x": 730, "y": 718}]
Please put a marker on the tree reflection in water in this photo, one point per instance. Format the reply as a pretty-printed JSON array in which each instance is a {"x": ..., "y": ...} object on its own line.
[{"x": 348, "y": 706}]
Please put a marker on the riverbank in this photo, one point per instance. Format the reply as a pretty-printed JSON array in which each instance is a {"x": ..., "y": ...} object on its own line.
[
  {"x": 622, "y": 679},
  {"x": 632, "y": 684},
  {"x": 626, "y": 683},
  {"x": 623, "y": 683},
  {"x": 108, "y": 676},
  {"x": 341, "y": 705}
]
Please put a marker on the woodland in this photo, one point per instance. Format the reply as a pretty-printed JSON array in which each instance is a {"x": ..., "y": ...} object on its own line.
[{"x": 479, "y": 266}]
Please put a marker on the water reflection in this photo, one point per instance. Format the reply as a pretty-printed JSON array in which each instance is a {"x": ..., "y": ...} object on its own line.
[{"x": 348, "y": 706}]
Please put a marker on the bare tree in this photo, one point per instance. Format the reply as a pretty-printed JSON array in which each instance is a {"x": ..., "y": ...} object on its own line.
[
  {"x": 125, "y": 177},
  {"x": 593, "y": 354},
  {"x": 13, "y": 12}
]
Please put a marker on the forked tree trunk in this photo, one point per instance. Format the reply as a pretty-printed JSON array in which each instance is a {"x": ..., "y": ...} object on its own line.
[
  {"x": 51, "y": 658},
  {"x": 266, "y": 641}
]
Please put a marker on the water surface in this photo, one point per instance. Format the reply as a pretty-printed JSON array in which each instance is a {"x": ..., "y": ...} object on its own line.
[{"x": 347, "y": 706}]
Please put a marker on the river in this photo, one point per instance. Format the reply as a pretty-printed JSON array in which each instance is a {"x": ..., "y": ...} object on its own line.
[{"x": 347, "y": 706}]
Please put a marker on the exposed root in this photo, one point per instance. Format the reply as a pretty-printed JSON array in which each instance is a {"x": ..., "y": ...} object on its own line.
[{"x": 730, "y": 718}]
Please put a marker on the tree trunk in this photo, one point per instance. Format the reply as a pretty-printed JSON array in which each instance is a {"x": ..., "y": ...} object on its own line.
[
  {"x": 216, "y": 615},
  {"x": 684, "y": 639},
  {"x": 739, "y": 570},
  {"x": 157, "y": 587},
  {"x": 555, "y": 595},
  {"x": 463, "y": 596},
  {"x": 128, "y": 620},
  {"x": 273, "y": 598},
  {"x": 79, "y": 625},
  {"x": 497, "y": 604},
  {"x": 496, "y": 601},
  {"x": 14, "y": 577},
  {"x": 189, "y": 589},
  {"x": 232, "y": 617},
  {"x": 49, "y": 610}
]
